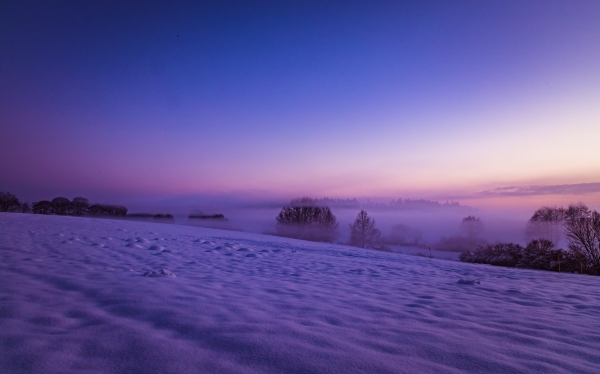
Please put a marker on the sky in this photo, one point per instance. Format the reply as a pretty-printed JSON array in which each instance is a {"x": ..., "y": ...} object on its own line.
[{"x": 489, "y": 102}]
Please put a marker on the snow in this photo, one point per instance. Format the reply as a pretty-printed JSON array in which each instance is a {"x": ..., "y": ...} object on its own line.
[{"x": 74, "y": 298}]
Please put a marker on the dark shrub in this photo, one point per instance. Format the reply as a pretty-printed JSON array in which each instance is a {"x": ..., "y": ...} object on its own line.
[
  {"x": 540, "y": 254},
  {"x": 501, "y": 254}
]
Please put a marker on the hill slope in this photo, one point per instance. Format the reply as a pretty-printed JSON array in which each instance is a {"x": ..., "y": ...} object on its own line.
[{"x": 74, "y": 297}]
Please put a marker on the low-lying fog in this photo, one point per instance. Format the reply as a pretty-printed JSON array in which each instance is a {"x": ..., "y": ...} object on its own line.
[{"x": 433, "y": 223}]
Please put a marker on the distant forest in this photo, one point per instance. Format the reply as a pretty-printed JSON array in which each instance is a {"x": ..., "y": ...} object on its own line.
[
  {"x": 409, "y": 204},
  {"x": 60, "y": 206},
  {"x": 400, "y": 204}
]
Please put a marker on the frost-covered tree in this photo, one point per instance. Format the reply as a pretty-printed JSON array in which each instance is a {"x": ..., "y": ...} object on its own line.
[{"x": 363, "y": 232}]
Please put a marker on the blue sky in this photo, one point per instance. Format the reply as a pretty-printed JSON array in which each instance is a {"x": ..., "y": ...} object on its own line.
[{"x": 337, "y": 99}]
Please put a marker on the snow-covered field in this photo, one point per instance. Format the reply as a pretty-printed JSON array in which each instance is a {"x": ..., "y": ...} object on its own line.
[{"x": 74, "y": 298}]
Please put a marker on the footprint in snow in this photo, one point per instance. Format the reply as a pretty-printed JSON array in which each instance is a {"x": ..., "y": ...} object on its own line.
[{"x": 160, "y": 273}]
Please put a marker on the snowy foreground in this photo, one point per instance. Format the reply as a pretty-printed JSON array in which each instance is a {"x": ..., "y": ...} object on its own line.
[{"x": 87, "y": 295}]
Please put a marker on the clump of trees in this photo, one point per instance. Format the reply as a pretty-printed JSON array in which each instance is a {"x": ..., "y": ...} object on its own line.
[
  {"x": 61, "y": 206},
  {"x": 364, "y": 234},
  {"x": 579, "y": 224},
  {"x": 302, "y": 219},
  {"x": 107, "y": 210},
  {"x": 10, "y": 203}
]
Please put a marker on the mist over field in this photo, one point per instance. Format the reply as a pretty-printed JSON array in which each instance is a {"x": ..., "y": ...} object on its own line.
[{"x": 506, "y": 224}]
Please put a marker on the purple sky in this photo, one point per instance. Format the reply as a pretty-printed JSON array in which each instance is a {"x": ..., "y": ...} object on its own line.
[{"x": 341, "y": 99}]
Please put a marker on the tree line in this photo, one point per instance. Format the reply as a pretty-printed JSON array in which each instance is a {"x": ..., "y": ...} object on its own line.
[{"x": 60, "y": 206}]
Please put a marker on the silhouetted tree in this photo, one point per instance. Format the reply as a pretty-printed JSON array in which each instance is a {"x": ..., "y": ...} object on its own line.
[
  {"x": 582, "y": 227},
  {"x": 307, "y": 222},
  {"x": 80, "y": 206},
  {"x": 472, "y": 226},
  {"x": 363, "y": 232},
  {"x": 61, "y": 206},
  {"x": 9, "y": 202},
  {"x": 42, "y": 207}
]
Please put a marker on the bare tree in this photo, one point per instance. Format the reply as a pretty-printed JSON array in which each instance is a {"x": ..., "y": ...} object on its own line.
[
  {"x": 472, "y": 226},
  {"x": 546, "y": 223},
  {"x": 9, "y": 202},
  {"x": 582, "y": 228},
  {"x": 363, "y": 232}
]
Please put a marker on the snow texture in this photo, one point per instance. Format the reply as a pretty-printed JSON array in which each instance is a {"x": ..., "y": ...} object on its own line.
[{"x": 74, "y": 298}]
